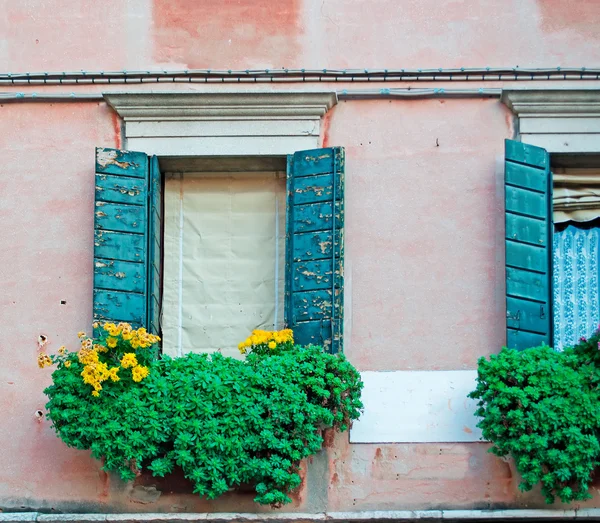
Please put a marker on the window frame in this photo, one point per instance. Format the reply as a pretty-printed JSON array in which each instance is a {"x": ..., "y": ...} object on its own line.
[{"x": 561, "y": 121}]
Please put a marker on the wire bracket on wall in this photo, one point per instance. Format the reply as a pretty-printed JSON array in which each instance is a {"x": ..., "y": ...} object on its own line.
[{"x": 302, "y": 75}]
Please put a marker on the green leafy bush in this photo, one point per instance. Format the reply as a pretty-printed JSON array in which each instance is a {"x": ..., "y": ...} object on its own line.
[
  {"x": 225, "y": 422},
  {"x": 541, "y": 407}
]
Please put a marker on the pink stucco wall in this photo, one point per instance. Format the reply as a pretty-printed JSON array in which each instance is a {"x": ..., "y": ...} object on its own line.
[{"x": 424, "y": 258}]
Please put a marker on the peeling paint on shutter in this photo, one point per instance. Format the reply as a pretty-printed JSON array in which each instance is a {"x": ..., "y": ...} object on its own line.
[
  {"x": 315, "y": 247},
  {"x": 528, "y": 211},
  {"x": 121, "y": 237}
]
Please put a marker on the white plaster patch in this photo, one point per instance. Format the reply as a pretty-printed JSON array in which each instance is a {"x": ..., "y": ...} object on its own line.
[{"x": 417, "y": 407}]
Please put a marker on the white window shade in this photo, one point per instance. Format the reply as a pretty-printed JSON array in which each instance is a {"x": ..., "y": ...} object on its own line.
[
  {"x": 576, "y": 194},
  {"x": 224, "y": 259}
]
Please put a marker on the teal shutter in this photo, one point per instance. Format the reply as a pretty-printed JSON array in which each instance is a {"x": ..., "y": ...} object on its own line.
[
  {"x": 528, "y": 210},
  {"x": 315, "y": 247},
  {"x": 127, "y": 238},
  {"x": 155, "y": 247}
]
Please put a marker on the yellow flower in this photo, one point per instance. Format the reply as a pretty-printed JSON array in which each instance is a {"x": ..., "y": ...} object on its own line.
[
  {"x": 95, "y": 325},
  {"x": 43, "y": 360},
  {"x": 87, "y": 356},
  {"x": 127, "y": 335},
  {"x": 80, "y": 334},
  {"x": 111, "y": 342},
  {"x": 113, "y": 373},
  {"x": 87, "y": 343},
  {"x": 108, "y": 326},
  {"x": 272, "y": 345},
  {"x": 139, "y": 372},
  {"x": 67, "y": 364},
  {"x": 62, "y": 349},
  {"x": 134, "y": 343},
  {"x": 95, "y": 393},
  {"x": 100, "y": 348},
  {"x": 128, "y": 360}
]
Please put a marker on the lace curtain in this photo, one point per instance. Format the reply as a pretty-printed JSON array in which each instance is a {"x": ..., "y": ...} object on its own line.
[{"x": 575, "y": 284}]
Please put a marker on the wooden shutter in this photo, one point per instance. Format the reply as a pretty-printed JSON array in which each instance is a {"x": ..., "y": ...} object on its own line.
[
  {"x": 121, "y": 237},
  {"x": 528, "y": 210},
  {"x": 155, "y": 247},
  {"x": 315, "y": 247}
]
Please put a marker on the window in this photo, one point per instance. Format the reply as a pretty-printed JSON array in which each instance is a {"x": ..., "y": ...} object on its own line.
[
  {"x": 134, "y": 260},
  {"x": 552, "y": 248}
]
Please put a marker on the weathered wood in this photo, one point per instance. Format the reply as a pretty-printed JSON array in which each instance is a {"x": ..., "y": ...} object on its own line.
[
  {"x": 120, "y": 217},
  {"x": 312, "y": 275},
  {"x": 316, "y": 161},
  {"x": 316, "y": 217},
  {"x": 315, "y": 245},
  {"x": 120, "y": 189},
  {"x": 314, "y": 268},
  {"x": 313, "y": 333},
  {"x": 315, "y": 305},
  {"x": 119, "y": 275},
  {"x": 125, "y": 163},
  {"x": 119, "y": 245},
  {"x": 317, "y": 188},
  {"x": 120, "y": 237},
  {"x": 119, "y": 306}
]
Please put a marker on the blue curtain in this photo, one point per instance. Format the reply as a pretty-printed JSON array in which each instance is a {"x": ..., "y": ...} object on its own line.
[{"x": 575, "y": 284}]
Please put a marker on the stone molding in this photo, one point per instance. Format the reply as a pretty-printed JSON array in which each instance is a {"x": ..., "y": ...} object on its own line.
[{"x": 218, "y": 105}]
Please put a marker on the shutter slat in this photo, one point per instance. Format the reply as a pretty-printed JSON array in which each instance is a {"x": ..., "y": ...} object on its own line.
[
  {"x": 316, "y": 188},
  {"x": 121, "y": 217},
  {"x": 119, "y": 306},
  {"x": 312, "y": 275},
  {"x": 316, "y": 217},
  {"x": 526, "y": 229},
  {"x": 315, "y": 253},
  {"x": 120, "y": 237},
  {"x": 314, "y": 245},
  {"x": 315, "y": 161},
  {"x": 529, "y": 155},
  {"x": 524, "y": 176},
  {"x": 528, "y": 208},
  {"x": 526, "y": 284},
  {"x": 526, "y": 202},
  {"x": 525, "y": 256},
  {"x": 119, "y": 189},
  {"x": 119, "y": 245},
  {"x": 125, "y": 163},
  {"x": 119, "y": 275}
]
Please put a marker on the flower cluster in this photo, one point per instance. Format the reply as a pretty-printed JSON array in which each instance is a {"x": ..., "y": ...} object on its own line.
[
  {"x": 138, "y": 339},
  {"x": 262, "y": 342},
  {"x": 105, "y": 358},
  {"x": 43, "y": 360}
]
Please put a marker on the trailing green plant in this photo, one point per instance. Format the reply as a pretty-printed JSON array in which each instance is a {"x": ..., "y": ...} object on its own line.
[
  {"x": 224, "y": 421},
  {"x": 540, "y": 406}
]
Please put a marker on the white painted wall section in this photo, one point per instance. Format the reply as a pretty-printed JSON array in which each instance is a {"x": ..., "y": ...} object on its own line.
[{"x": 417, "y": 407}]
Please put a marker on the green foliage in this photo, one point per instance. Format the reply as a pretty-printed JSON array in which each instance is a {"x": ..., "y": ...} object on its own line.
[
  {"x": 541, "y": 407},
  {"x": 225, "y": 422}
]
